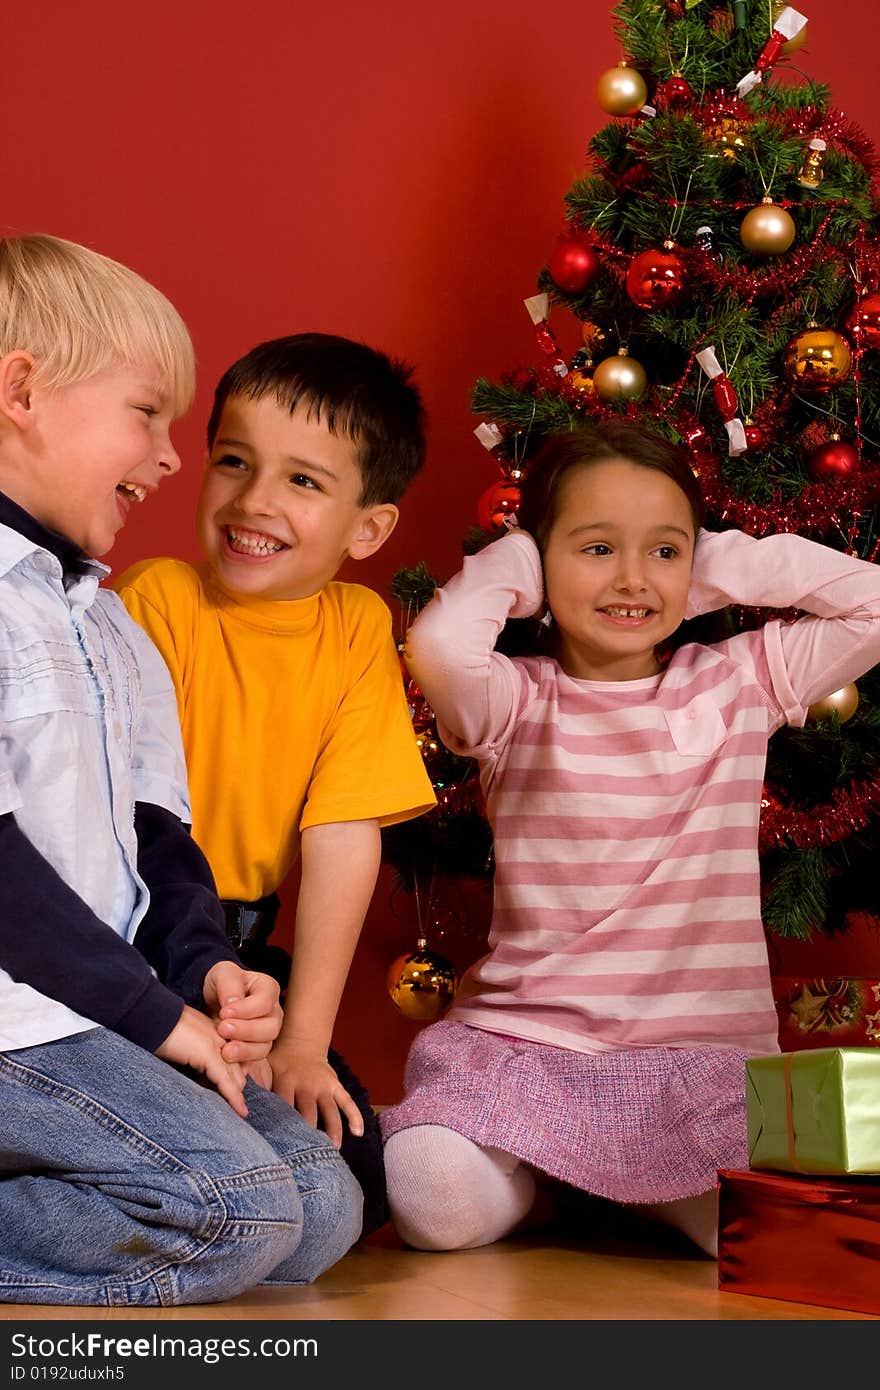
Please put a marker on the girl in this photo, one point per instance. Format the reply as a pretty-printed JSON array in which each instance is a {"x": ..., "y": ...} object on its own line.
[{"x": 601, "y": 1041}]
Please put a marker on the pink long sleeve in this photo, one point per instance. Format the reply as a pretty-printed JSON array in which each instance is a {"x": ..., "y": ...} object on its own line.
[
  {"x": 807, "y": 659},
  {"x": 474, "y": 690}
]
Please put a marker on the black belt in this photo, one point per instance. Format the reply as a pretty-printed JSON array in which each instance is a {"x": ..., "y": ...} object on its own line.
[{"x": 247, "y": 923}]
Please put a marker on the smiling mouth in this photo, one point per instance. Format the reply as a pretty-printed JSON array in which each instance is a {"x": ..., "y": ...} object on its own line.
[
  {"x": 257, "y": 543},
  {"x": 132, "y": 491},
  {"x": 619, "y": 612}
]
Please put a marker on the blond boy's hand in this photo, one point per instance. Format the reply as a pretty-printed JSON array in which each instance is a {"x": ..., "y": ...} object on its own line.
[
  {"x": 246, "y": 1009},
  {"x": 195, "y": 1043},
  {"x": 307, "y": 1081}
]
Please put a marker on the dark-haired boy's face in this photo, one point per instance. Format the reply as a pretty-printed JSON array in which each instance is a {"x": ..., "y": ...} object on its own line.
[
  {"x": 280, "y": 500},
  {"x": 617, "y": 568}
]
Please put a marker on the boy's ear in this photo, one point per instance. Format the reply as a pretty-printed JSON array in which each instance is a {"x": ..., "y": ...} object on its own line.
[
  {"x": 373, "y": 529},
  {"x": 16, "y": 369}
]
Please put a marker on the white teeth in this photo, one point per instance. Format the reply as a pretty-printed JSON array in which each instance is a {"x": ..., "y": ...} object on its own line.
[
  {"x": 251, "y": 544},
  {"x": 134, "y": 490},
  {"x": 627, "y": 612}
]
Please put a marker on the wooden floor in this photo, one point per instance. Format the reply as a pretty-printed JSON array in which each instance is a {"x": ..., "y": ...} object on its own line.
[{"x": 637, "y": 1272}]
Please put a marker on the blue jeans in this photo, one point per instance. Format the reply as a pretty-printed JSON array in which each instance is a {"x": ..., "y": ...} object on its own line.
[{"x": 125, "y": 1183}]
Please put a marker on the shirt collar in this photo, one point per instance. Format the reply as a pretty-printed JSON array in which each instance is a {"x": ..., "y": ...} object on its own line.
[{"x": 73, "y": 561}]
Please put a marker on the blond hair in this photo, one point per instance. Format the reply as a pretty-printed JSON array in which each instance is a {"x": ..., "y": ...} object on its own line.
[{"x": 77, "y": 312}]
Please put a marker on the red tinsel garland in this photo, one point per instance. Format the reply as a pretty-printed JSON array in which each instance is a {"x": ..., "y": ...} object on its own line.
[
  {"x": 849, "y": 811},
  {"x": 818, "y": 508}
]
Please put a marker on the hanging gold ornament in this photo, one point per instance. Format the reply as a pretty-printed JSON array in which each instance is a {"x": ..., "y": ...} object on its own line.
[
  {"x": 813, "y": 168},
  {"x": 421, "y": 984},
  {"x": 621, "y": 91},
  {"x": 767, "y": 230},
  {"x": 620, "y": 377},
  {"x": 728, "y": 137},
  {"x": 843, "y": 702},
  {"x": 817, "y": 359}
]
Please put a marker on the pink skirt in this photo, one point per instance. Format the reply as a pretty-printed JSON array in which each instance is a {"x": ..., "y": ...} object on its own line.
[{"x": 645, "y": 1125}]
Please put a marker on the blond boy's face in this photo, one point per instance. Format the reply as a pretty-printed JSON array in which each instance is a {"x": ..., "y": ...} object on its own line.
[
  {"x": 279, "y": 507},
  {"x": 97, "y": 447}
]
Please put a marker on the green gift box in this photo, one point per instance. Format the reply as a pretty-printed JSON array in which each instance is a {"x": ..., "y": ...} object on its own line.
[{"x": 816, "y": 1111}]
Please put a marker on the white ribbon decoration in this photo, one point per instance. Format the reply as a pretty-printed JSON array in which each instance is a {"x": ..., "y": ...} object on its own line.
[
  {"x": 538, "y": 307},
  {"x": 489, "y": 435}
]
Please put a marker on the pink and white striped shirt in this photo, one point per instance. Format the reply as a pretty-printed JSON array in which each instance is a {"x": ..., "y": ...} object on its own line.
[{"x": 625, "y": 813}]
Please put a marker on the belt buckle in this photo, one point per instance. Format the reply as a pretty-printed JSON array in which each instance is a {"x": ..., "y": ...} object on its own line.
[{"x": 235, "y": 925}]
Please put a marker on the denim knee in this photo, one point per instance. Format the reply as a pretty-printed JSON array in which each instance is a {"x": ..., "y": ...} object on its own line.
[
  {"x": 332, "y": 1202},
  {"x": 258, "y": 1227}
]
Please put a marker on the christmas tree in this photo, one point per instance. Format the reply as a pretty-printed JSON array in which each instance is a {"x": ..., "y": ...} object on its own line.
[{"x": 717, "y": 277}]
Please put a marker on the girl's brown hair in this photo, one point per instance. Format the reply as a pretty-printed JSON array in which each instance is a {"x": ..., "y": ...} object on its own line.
[{"x": 561, "y": 454}]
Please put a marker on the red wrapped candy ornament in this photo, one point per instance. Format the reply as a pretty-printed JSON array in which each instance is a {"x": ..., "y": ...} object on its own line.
[
  {"x": 725, "y": 400},
  {"x": 786, "y": 26}
]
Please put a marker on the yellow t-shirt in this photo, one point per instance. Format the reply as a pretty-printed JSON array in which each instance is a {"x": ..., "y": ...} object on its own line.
[{"x": 293, "y": 714}]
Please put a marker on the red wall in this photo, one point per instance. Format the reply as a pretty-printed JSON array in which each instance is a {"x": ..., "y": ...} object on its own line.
[{"x": 393, "y": 172}]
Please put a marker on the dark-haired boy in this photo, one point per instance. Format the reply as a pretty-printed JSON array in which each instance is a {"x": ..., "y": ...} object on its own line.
[{"x": 296, "y": 730}]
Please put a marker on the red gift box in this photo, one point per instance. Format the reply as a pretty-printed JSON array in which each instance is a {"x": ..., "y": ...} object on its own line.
[
  {"x": 807, "y": 1240},
  {"x": 841, "y": 1012}
]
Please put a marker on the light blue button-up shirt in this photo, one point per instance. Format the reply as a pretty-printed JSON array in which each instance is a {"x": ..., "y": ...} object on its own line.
[{"x": 88, "y": 726}]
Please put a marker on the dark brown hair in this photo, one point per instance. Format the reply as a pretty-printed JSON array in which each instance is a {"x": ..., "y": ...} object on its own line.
[
  {"x": 561, "y": 454},
  {"x": 355, "y": 390}
]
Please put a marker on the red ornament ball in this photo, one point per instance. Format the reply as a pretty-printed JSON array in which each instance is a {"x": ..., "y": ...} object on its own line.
[
  {"x": 833, "y": 462},
  {"x": 756, "y": 436},
  {"x": 573, "y": 265},
  {"x": 498, "y": 501},
  {"x": 863, "y": 322},
  {"x": 672, "y": 94},
  {"x": 656, "y": 278}
]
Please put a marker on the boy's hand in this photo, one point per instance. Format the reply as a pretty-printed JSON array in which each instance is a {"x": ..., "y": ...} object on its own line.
[
  {"x": 195, "y": 1043},
  {"x": 261, "y": 1073},
  {"x": 307, "y": 1081},
  {"x": 246, "y": 1010}
]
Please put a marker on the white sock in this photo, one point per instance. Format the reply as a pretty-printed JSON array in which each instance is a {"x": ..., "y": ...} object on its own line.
[
  {"x": 696, "y": 1217},
  {"x": 447, "y": 1193}
]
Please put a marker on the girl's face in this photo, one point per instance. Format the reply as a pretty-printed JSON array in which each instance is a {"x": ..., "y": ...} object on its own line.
[{"x": 617, "y": 568}]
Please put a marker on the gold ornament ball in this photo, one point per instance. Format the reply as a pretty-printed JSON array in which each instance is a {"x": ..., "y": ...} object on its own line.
[
  {"x": 843, "y": 702},
  {"x": 767, "y": 230},
  {"x": 728, "y": 136},
  {"x": 620, "y": 378},
  {"x": 422, "y": 984},
  {"x": 818, "y": 359},
  {"x": 621, "y": 91}
]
